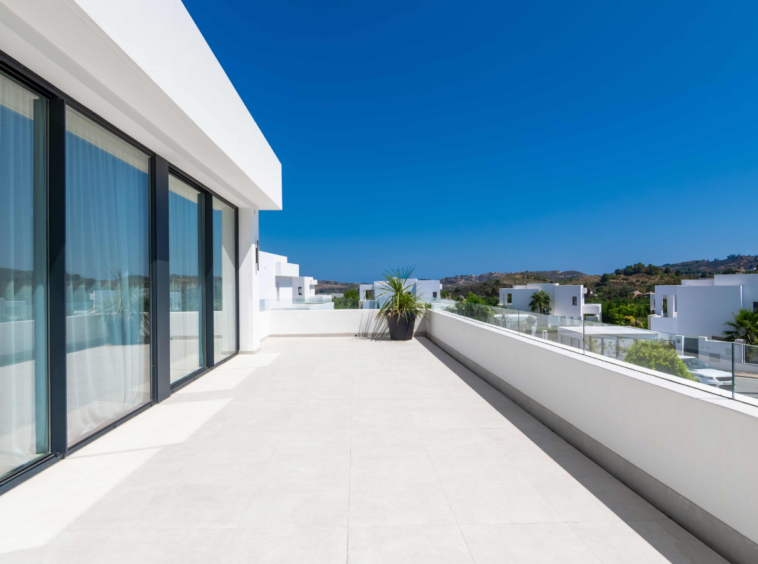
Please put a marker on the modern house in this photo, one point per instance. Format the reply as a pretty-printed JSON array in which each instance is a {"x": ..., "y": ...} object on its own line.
[
  {"x": 565, "y": 300},
  {"x": 281, "y": 280},
  {"x": 132, "y": 176},
  {"x": 701, "y": 307},
  {"x": 427, "y": 290},
  {"x": 151, "y": 411}
]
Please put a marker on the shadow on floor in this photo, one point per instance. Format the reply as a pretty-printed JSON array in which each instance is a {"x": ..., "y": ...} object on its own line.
[{"x": 687, "y": 549}]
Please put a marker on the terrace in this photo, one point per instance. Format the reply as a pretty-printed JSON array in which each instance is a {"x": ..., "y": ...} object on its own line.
[{"x": 331, "y": 450}]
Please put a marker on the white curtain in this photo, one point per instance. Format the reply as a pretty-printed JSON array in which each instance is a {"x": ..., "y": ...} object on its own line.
[
  {"x": 108, "y": 277},
  {"x": 23, "y": 382}
]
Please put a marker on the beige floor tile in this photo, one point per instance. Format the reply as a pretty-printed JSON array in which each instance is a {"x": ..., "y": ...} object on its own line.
[
  {"x": 642, "y": 542},
  {"x": 408, "y": 545},
  {"x": 375, "y": 504},
  {"x": 169, "y": 547},
  {"x": 195, "y": 507},
  {"x": 595, "y": 499},
  {"x": 541, "y": 543},
  {"x": 297, "y": 505},
  {"x": 483, "y": 503},
  {"x": 287, "y": 546}
]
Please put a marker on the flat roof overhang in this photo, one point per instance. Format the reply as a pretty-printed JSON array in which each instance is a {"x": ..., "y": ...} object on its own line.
[{"x": 145, "y": 67}]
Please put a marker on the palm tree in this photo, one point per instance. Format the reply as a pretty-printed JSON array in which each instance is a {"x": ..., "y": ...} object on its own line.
[
  {"x": 744, "y": 326},
  {"x": 540, "y": 302}
]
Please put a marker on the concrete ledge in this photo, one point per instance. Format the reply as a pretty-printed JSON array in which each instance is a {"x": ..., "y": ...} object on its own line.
[
  {"x": 331, "y": 323},
  {"x": 712, "y": 530}
]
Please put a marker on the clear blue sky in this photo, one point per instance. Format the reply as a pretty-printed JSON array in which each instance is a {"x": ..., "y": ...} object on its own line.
[{"x": 467, "y": 137}]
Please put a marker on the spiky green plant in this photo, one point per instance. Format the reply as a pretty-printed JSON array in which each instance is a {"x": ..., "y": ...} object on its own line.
[
  {"x": 540, "y": 302},
  {"x": 401, "y": 300},
  {"x": 744, "y": 326}
]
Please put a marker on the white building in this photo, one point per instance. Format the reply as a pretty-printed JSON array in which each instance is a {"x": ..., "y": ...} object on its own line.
[
  {"x": 701, "y": 307},
  {"x": 565, "y": 300},
  {"x": 427, "y": 290},
  {"x": 281, "y": 280},
  {"x": 133, "y": 172}
]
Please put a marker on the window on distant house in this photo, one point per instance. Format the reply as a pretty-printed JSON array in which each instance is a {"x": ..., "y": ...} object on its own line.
[
  {"x": 434, "y": 295},
  {"x": 573, "y": 300},
  {"x": 509, "y": 298},
  {"x": 299, "y": 290}
]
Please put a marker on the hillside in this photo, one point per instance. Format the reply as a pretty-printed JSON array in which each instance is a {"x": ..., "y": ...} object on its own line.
[
  {"x": 715, "y": 266},
  {"x": 334, "y": 287},
  {"x": 626, "y": 283}
]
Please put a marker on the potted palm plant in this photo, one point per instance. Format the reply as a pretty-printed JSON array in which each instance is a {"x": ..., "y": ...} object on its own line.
[{"x": 399, "y": 304}]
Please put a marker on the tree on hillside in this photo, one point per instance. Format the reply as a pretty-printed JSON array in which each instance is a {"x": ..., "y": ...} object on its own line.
[
  {"x": 744, "y": 326},
  {"x": 445, "y": 294},
  {"x": 540, "y": 302}
]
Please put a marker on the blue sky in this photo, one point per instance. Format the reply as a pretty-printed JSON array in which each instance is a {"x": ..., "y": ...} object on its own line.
[{"x": 499, "y": 136}]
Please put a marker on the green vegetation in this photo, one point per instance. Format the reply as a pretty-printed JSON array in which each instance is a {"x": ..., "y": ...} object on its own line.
[
  {"x": 657, "y": 356},
  {"x": 351, "y": 294},
  {"x": 473, "y": 307},
  {"x": 401, "y": 300}
]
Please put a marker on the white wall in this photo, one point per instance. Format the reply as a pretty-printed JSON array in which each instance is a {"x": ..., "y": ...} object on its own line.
[
  {"x": 144, "y": 66},
  {"x": 329, "y": 322},
  {"x": 425, "y": 289},
  {"x": 700, "y": 310},
  {"x": 692, "y": 441}
]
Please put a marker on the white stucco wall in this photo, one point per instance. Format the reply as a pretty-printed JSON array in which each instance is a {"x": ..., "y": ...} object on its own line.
[
  {"x": 328, "y": 322},
  {"x": 690, "y": 440},
  {"x": 700, "y": 310}
]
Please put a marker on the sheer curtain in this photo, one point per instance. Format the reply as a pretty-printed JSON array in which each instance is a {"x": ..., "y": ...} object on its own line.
[
  {"x": 185, "y": 217},
  {"x": 23, "y": 345},
  {"x": 224, "y": 280},
  {"x": 107, "y": 278}
]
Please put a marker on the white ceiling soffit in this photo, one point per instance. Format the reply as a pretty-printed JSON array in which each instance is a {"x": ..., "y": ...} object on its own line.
[{"x": 144, "y": 66}]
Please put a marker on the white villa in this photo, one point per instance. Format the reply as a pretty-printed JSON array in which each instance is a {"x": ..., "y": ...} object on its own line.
[
  {"x": 155, "y": 407},
  {"x": 426, "y": 289},
  {"x": 565, "y": 300},
  {"x": 701, "y": 307}
]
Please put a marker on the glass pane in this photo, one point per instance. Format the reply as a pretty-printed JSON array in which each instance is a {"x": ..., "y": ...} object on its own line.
[
  {"x": 185, "y": 212},
  {"x": 23, "y": 345},
  {"x": 107, "y": 278},
  {"x": 224, "y": 281}
]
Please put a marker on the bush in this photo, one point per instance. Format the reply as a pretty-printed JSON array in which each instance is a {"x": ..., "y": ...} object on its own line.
[{"x": 654, "y": 355}]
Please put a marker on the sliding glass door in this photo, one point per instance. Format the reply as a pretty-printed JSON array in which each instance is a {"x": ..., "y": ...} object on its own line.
[
  {"x": 107, "y": 277},
  {"x": 24, "y": 412},
  {"x": 185, "y": 207},
  {"x": 224, "y": 280}
]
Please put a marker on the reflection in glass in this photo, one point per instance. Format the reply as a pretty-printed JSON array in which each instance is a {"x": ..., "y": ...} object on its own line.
[
  {"x": 224, "y": 281},
  {"x": 185, "y": 213},
  {"x": 107, "y": 277},
  {"x": 23, "y": 345}
]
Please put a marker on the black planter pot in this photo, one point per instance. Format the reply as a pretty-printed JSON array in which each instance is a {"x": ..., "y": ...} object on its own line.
[{"x": 401, "y": 329}]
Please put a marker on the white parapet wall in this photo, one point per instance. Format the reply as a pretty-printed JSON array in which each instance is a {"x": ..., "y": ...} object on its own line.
[
  {"x": 689, "y": 452},
  {"x": 337, "y": 322}
]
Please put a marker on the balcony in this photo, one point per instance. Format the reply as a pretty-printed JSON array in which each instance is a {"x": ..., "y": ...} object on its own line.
[{"x": 333, "y": 450}]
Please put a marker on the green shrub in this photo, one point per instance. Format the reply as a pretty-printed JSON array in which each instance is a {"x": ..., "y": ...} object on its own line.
[{"x": 656, "y": 356}]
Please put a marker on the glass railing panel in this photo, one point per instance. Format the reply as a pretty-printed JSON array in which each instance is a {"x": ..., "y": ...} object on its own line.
[{"x": 746, "y": 370}]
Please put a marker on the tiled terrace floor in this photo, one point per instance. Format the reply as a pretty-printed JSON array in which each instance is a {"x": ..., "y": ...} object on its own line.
[{"x": 321, "y": 450}]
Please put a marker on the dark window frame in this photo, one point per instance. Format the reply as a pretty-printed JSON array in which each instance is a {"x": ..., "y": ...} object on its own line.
[{"x": 159, "y": 170}]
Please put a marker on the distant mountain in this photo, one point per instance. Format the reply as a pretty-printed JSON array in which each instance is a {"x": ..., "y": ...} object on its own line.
[
  {"x": 525, "y": 277},
  {"x": 334, "y": 287},
  {"x": 715, "y": 266}
]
